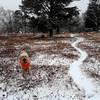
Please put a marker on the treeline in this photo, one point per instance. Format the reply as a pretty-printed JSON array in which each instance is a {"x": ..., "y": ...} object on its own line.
[{"x": 49, "y": 16}]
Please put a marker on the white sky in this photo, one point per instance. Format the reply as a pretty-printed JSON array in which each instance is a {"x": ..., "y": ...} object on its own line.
[
  {"x": 14, "y": 4},
  {"x": 10, "y": 4},
  {"x": 82, "y": 5}
]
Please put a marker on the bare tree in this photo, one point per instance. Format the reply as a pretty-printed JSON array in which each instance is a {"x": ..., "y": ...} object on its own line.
[{"x": 6, "y": 20}]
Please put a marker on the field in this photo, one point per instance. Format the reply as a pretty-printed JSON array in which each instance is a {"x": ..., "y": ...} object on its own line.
[{"x": 65, "y": 67}]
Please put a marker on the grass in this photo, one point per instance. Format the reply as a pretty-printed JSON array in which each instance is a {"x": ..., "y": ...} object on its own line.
[{"x": 51, "y": 59}]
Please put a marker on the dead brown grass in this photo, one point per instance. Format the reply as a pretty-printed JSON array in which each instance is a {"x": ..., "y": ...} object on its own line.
[
  {"x": 38, "y": 45},
  {"x": 93, "y": 51}
]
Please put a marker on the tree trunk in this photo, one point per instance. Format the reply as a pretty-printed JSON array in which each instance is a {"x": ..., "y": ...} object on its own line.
[
  {"x": 58, "y": 30},
  {"x": 25, "y": 27},
  {"x": 51, "y": 33},
  {"x": 50, "y": 19}
]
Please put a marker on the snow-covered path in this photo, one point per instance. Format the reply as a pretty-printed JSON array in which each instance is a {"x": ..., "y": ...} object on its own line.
[{"x": 75, "y": 72}]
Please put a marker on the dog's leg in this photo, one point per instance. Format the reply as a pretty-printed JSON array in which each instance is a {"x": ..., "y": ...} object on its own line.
[
  {"x": 24, "y": 74},
  {"x": 30, "y": 73}
]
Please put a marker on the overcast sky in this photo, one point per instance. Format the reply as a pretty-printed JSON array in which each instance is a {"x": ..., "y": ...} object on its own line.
[
  {"x": 13, "y": 4},
  {"x": 82, "y": 5},
  {"x": 10, "y": 4}
]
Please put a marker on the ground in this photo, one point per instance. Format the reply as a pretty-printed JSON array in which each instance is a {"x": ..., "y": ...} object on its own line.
[{"x": 66, "y": 67}]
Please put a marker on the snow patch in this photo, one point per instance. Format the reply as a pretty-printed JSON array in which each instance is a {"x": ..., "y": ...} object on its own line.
[
  {"x": 46, "y": 59},
  {"x": 75, "y": 71}
]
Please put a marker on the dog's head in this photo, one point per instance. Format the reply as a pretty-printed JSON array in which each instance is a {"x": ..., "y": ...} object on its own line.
[{"x": 24, "y": 60}]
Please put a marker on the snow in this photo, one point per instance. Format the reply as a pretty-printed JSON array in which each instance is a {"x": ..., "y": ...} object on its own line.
[
  {"x": 96, "y": 97},
  {"x": 68, "y": 84},
  {"x": 82, "y": 81},
  {"x": 46, "y": 59}
]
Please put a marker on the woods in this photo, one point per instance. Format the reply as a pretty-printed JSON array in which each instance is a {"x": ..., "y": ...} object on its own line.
[
  {"x": 92, "y": 19},
  {"x": 50, "y": 16},
  {"x": 44, "y": 16}
]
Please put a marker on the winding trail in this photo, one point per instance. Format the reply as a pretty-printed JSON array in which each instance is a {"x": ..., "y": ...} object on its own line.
[{"x": 75, "y": 72}]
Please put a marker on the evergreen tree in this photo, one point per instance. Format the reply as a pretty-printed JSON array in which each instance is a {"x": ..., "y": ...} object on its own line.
[
  {"x": 51, "y": 13},
  {"x": 92, "y": 19},
  {"x": 18, "y": 25}
]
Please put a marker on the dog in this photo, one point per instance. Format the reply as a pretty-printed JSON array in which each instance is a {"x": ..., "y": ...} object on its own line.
[{"x": 24, "y": 62}]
